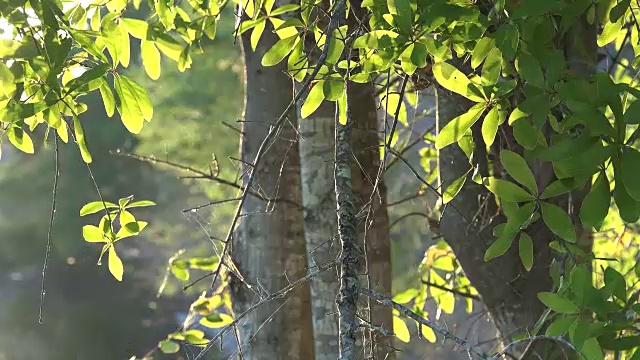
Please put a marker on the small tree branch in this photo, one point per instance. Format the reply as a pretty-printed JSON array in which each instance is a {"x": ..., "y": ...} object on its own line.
[{"x": 453, "y": 291}]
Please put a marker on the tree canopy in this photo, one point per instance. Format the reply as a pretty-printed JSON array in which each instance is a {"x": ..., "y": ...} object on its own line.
[{"x": 547, "y": 95}]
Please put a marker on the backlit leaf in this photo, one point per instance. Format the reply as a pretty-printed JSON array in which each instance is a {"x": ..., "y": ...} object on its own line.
[
  {"x": 279, "y": 51},
  {"x": 457, "y": 127},
  {"x": 313, "y": 100},
  {"x": 150, "y": 59},
  {"x": 115, "y": 264},
  {"x": 453, "y": 189},
  {"x": 401, "y": 330},
  {"x": 20, "y": 139},
  {"x": 454, "y": 80}
]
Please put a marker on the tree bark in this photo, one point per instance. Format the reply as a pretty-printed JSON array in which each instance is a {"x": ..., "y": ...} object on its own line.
[
  {"x": 320, "y": 223},
  {"x": 269, "y": 247},
  {"x": 373, "y": 227}
]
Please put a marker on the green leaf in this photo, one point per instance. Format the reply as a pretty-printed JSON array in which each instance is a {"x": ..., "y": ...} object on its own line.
[
  {"x": 125, "y": 48},
  {"x": 529, "y": 69},
  {"x": 150, "y": 59},
  {"x": 557, "y": 303},
  {"x": 457, "y": 127},
  {"x": 401, "y": 330},
  {"x": 492, "y": 67},
  {"x": 490, "y": 126},
  {"x": 595, "y": 206},
  {"x": 333, "y": 89},
  {"x": 500, "y": 246},
  {"x": 516, "y": 166},
  {"x": 526, "y": 250},
  {"x": 313, "y": 100},
  {"x": 115, "y": 264},
  {"x": 20, "y": 139},
  {"x": 525, "y": 134},
  {"x": 455, "y": 80},
  {"x": 401, "y": 9},
  {"x": 592, "y": 349},
  {"x": 610, "y": 32},
  {"x": 285, "y": 9},
  {"x": 558, "y": 187},
  {"x": 78, "y": 131},
  {"x": 95, "y": 206},
  {"x": 615, "y": 283},
  {"x": 454, "y": 189},
  {"x": 632, "y": 115},
  {"x": 256, "y": 34},
  {"x": 92, "y": 233},
  {"x": 141, "y": 203},
  {"x": 558, "y": 221},
  {"x": 560, "y": 326},
  {"x": 137, "y": 28},
  {"x": 630, "y": 171},
  {"x": 406, "y": 296},
  {"x": 216, "y": 320},
  {"x": 279, "y": 51},
  {"x": 507, "y": 39},
  {"x": 88, "y": 76},
  {"x": 507, "y": 190},
  {"x": 168, "y": 347},
  {"x": 133, "y": 103},
  {"x": 107, "y": 98},
  {"x": 628, "y": 207},
  {"x": 481, "y": 50}
]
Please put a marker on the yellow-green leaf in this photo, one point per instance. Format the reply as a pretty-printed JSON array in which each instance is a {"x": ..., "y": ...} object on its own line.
[
  {"x": 490, "y": 126},
  {"x": 313, "y": 100},
  {"x": 115, "y": 264},
  {"x": 401, "y": 330},
  {"x": 454, "y": 189},
  {"x": 454, "y": 80},
  {"x": 279, "y": 51},
  {"x": 81, "y": 141},
  {"x": 457, "y": 127},
  {"x": 150, "y": 59},
  {"x": 20, "y": 139},
  {"x": 92, "y": 233}
]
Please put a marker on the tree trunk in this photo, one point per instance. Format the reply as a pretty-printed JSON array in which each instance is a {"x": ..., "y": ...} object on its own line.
[
  {"x": 320, "y": 223},
  {"x": 269, "y": 249},
  {"x": 374, "y": 226}
]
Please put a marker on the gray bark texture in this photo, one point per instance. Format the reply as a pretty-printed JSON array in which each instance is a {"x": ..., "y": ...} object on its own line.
[
  {"x": 347, "y": 231},
  {"x": 320, "y": 223},
  {"x": 269, "y": 247},
  {"x": 373, "y": 226}
]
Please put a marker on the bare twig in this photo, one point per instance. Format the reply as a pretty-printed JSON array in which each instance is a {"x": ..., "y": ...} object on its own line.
[
  {"x": 453, "y": 291},
  {"x": 422, "y": 321},
  {"x": 54, "y": 196}
]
